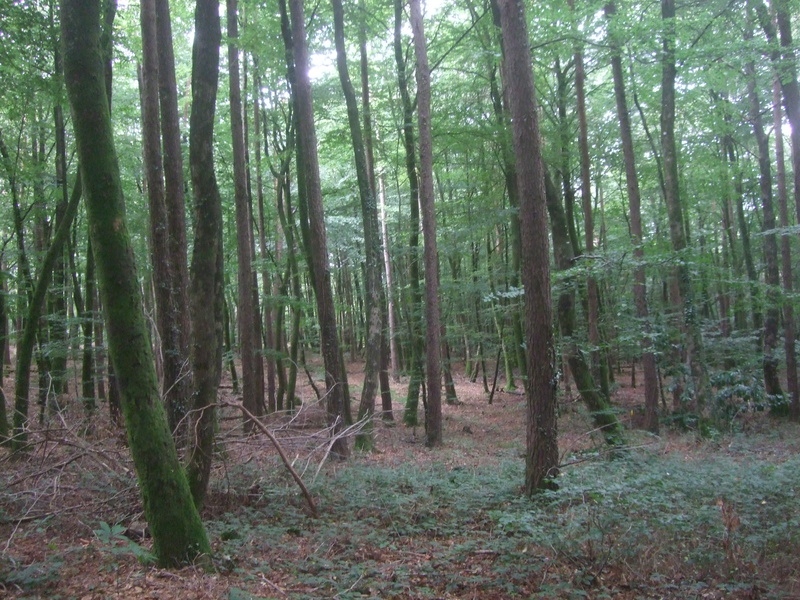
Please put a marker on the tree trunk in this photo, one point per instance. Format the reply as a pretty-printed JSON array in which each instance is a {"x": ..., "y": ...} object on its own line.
[
  {"x": 417, "y": 341},
  {"x": 634, "y": 205},
  {"x": 687, "y": 394},
  {"x": 154, "y": 178},
  {"x": 433, "y": 361},
  {"x": 599, "y": 407},
  {"x": 35, "y": 305},
  {"x": 253, "y": 397},
  {"x": 373, "y": 280},
  {"x": 786, "y": 256},
  {"x": 178, "y": 534},
  {"x": 390, "y": 305},
  {"x": 772, "y": 385},
  {"x": 335, "y": 375},
  {"x": 541, "y": 457},
  {"x": 206, "y": 274},
  {"x": 178, "y": 383},
  {"x": 599, "y": 362}
]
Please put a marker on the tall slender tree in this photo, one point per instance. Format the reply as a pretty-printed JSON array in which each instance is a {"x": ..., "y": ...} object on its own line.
[
  {"x": 206, "y": 275},
  {"x": 433, "y": 361},
  {"x": 247, "y": 313},
  {"x": 634, "y": 209},
  {"x": 541, "y": 456},
  {"x": 335, "y": 375},
  {"x": 372, "y": 237}
]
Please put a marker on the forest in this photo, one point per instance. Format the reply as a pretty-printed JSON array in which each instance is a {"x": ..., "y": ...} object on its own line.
[{"x": 399, "y": 299}]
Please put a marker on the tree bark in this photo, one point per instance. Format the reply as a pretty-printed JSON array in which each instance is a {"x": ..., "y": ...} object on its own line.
[
  {"x": 206, "y": 274},
  {"x": 689, "y": 386},
  {"x": 634, "y": 206},
  {"x": 416, "y": 342},
  {"x": 373, "y": 284},
  {"x": 178, "y": 533},
  {"x": 253, "y": 397},
  {"x": 541, "y": 456},
  {"x": 178, "y": 382},
  {"x": 772, "y": 385},
  {"x": 786, "y": 256},
  {"x": 154, "y": 179},
  {"x": 335, "y": 376},
  {"x": 433, "y": 361}
]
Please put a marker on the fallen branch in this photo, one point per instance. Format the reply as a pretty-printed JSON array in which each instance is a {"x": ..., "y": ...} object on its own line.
[{"x": 309, "y": 499}]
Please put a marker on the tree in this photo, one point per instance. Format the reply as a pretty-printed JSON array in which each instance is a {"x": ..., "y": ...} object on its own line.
[
  {"x": 335, "y": 376},
  {"x": 541, "y": 456},
  {"x": 433, "y": 370},
  {"x": 417, "y": 341},
  {"x": 372, "y": 238},
  {"x": 637, "y": 238},
  {"x": 206, "y": 275},
  {"x": 178, "y": 533},
  {"x": 252, "y": 365},
  {"x": 178, "y": 380}
]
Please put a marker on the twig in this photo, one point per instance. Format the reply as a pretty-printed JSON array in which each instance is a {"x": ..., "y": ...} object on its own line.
[{"x": 309, "y": 499}]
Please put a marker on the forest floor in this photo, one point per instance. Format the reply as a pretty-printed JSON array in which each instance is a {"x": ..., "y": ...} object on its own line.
[{"x": 672, "y": 517}]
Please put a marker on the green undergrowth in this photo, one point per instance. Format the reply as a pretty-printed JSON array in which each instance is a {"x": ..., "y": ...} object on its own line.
[{"x": 726, "y": 524}]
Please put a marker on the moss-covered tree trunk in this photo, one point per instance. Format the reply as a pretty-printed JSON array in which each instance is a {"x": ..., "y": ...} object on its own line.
[
  {"x": 433, "y": 332},
  {"x": 35, "y": 306},
  {"x": 601, "y": 411},
  {"x": 178, "y": 533}
]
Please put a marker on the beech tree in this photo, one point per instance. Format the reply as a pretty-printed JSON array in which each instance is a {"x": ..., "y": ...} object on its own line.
[
  {"x": 433, "y": 370},
  {"x": 541, "y": 457},
  {"x": 335, "y": 376},
  {"x": 178, "y": 533}
]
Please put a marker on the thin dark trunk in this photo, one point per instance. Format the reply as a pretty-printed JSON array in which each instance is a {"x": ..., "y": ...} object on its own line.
[
  {"x": 602, "y": 412},
  {"x": 25, "y": 345},
  {"x": 253, "y": 397},
  {"x": 417, "y": 341},
  {"x": 177, "y": 379},
  {"x": 688, "y": 393},
  {"x": 154, "y": 178},
  {"x": 335, "y": 375},
  {"x": 433, "y": 361},
  {"x": 772, "y": 385},
  {"x": 206, "y": 274},
  {"x": 651, "y": 386},
  {"x": 373, "y": 280}
]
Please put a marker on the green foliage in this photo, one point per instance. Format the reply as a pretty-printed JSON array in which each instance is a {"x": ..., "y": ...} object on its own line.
[
  {"x": 114, "y": 541},
  {"x": 434, "y": 531},
  {"x": 33, "y": 575},
  {"x": 236, "y": 594}
]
